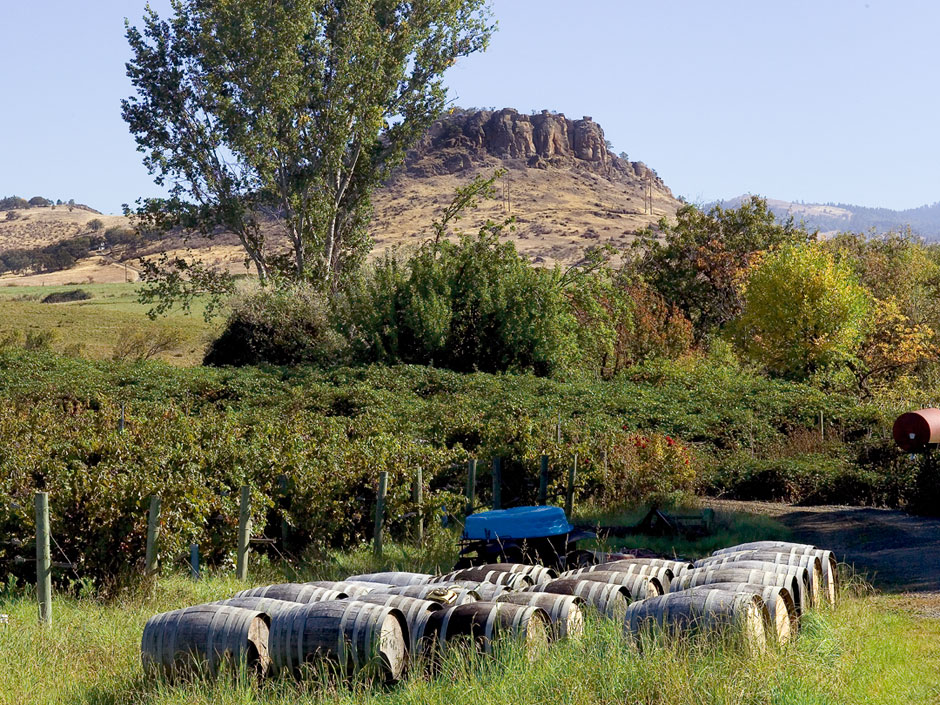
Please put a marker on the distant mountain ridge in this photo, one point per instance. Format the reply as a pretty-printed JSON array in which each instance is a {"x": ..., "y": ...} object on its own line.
[{"x": 841, "y": 217}]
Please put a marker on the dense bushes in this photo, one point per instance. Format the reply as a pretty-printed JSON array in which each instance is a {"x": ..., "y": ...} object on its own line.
[
  {"x": 196, "y": 435},
  {"x": 61, "y": 297}
]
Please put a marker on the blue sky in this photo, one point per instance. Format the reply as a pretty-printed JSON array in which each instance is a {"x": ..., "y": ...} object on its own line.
[{"x": 830, "y": 100}]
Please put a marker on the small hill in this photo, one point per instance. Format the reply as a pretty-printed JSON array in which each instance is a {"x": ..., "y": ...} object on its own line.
[
  {"x": 564, "y": 186},
  {"x": 841, "y": 217}
]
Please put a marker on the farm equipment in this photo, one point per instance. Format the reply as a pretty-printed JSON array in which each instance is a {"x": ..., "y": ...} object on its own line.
[{"x": 540, "y": 535}]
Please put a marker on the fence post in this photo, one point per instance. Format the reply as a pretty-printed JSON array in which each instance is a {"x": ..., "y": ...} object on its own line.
[
  {"x": 543, "y": 481},
  {"x": 153, "y": 535},
  {"x": 194, "y": 561},
  {"x": 417, "y": 496},
  {"x": 43, "y": 559},
  {"x": 497, "y": 483},
  {"x": 285, "y": 526},
  {"x": 380, "y": 513},
  {"x": 572, "y": 478},
  {"x": 471, "y": 485},
  {"x": 244, "y": 534}
]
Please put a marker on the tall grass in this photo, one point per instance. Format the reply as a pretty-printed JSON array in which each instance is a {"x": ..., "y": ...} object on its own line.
[{"x": 862, "y": 651}]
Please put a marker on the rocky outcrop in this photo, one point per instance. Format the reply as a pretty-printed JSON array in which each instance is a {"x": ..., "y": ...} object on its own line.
[{"x": 543, "y": 140}]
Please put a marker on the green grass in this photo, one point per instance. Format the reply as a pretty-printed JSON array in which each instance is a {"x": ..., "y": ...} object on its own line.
[
  {"x": 95, "y": 326},
  {"x": 865, "y": 650},
  {"x": 851, "y": 654}
]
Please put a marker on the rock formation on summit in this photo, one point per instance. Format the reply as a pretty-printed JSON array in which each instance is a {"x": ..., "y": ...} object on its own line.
[{"x": 544, "y": 140}]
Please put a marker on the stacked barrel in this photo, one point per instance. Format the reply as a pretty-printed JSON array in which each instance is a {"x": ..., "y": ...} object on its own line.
[{"x": 377, "y": 624}]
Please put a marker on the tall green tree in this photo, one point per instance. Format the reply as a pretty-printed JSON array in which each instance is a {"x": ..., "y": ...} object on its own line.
[{"x": 275, "y": 120}]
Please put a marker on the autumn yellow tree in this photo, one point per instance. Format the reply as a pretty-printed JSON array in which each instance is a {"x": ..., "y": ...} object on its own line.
[{"x": 803, "y": 311}]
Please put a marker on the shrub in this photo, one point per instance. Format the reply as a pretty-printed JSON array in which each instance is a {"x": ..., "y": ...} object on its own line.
[
  {"x": 144, "y": 344},
  {"x": 278, "y": 326},
  {"x": 61, "y": 297},
  {"x": 472, "y": 305}
]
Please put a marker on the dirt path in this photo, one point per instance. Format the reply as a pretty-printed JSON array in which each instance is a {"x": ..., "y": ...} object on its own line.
[{"x": 893, "y": 550}]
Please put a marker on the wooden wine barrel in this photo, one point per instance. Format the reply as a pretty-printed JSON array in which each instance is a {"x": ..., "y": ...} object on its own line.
[
  {"x": 416, "y": 612},
  {"x": 827, "y": 558},
  {"x": 515, "y": 581},
  {"x": 675, "y": 566},
  {"x": 487, "y": 592},
  {"x": 808, "y": 598},
  {"x": 484, "y": 622},
  {"x": 355, "y": 636},
  {"x": 689, "y": 612},
  {"x": 447, "y": 594},
  {"x": 564, "y": 611},
  {"x": 537, "y": 573},
  {"x": 803, "y": 560},
  {"x": 268, "y": 605},
  {"x": 295, "y": 592},
  {"x": 605, "y": 557},
  {"x": 664, "y": 575},
  {"x": 793, "y": 582},
  {"x": 783, "y": 620},
  {"x": 608, "y": 599},
  {"x": 352, "y": 588},
  {"x": 392, "y": 578},
  {"x": 200, "y": 639}
]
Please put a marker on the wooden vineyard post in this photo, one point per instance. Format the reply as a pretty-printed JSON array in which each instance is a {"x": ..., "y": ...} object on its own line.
[
  {"x": 543, "y": 481},
  {"x": 417, "y": 496},
  {"x": 471, "y": 485},
  {"x": 244, "y": 534},
  {"x": 497, "y": 483},
  {"x": 153, "y": 535},
  {"x": 380, "y": 513},
  {"x": 285, "y": 526},
  {"x": 43, "y": 559},
  {"x": 569, "y": 493},
  {"x": 194, "y": 561}
]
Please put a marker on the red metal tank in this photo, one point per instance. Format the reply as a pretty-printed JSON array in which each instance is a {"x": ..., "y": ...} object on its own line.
[{"x": 916, "y": 429}]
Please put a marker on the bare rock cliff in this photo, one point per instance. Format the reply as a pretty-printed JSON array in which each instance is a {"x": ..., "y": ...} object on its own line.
[{"x": 545, "y": 140}]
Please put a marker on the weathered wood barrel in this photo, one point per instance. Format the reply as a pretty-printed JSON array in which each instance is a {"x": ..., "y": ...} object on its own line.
[
  {"x": 484, "y": 622},
  {"x": 354, "y": 636},
  {"x": 605, "y": 557},
  {"x": 804, "y": 560},
  {"x": 608, "y": 599},
  {"x": 564, "y": 611},
  {"x": 784, "y": 622},
  {"x": 416, "y": 612},
  {"x": 664, "y": 575},
  {"x": 515, "y": 581},
  {"x": 807, "y": 599},
  {"x": 488, "y": 592},
  {"x": 827, "y": 558},
  {"x": 691, "y": 611},
  {"x": 268, "y": 605},
  {"x": 352, "y": 588},
  {"x": 675, "y": 566},
  {"x": 392, "y": 578},
  {"x": 537, "y": 573},
  {"x": 444, "y": 593},
  {"x": 200, "y": 639},
  {"x": 295, "y": 592},
  {"x": 793, "y": 582}
]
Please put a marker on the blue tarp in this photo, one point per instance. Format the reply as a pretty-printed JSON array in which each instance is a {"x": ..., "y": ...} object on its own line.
[{"x": 516, "y": 523}]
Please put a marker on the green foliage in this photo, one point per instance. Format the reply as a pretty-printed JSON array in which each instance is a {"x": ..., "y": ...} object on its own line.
[
  {"x": 472, "y": 305},
  {"x": 803, "y": 312},
  {"x": 298, "y": 109},
  {"x": 698, "y": 262},
  {"x": 281, "y": 326}
]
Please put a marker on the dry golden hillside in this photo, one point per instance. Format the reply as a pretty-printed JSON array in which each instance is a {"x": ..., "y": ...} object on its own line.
[{"x": 565, "y": 190}]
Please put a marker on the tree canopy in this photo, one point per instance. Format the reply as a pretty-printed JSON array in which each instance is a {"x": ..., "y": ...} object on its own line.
[{"x": 275, "y": 120}]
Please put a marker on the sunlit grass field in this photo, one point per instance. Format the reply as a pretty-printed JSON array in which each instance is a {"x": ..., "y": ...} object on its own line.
[
  {"x": 865, "y": 650},
  {"x": 93, "y": 328}
]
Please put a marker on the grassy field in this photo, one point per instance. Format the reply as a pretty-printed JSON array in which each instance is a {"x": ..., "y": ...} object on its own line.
[
  {"x": 865, "y": 650},
  {"x": 95, "y": 327}
]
